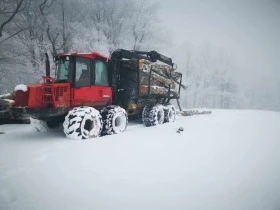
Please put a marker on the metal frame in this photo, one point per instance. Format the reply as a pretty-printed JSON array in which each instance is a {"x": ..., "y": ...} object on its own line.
[{"x": 118, "y": 55}]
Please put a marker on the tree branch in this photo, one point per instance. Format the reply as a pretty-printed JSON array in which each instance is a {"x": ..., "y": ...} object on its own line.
[
  {"x": 11, "y": 17},
  {"x": 21, "y": 30}
]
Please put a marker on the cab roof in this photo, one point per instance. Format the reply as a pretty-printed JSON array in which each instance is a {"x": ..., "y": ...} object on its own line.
[{"x": 90, "y": 55}]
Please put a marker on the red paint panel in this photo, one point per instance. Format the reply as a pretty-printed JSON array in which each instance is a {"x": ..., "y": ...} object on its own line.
[
  {"x": 35, "y": 96},
  {"x": 21, "y": 98},
  {"x": 95, "y": 96},
  {"x": 40, "y": 96},
  {"x": 91, "y": 55}
]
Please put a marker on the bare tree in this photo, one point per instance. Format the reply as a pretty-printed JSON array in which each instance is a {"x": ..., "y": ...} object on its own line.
[
  {"x": 52, "y": 35},
  {"x": 16, "y": 6},
  {"x": 29, "y": 28},
  {"x": 114, "y": 16},
  {"x": 58, "y": 15},
  {"x": 9, "y": 13},
  {"x": 33, "y": 36},
  {"x": 142, "y": 20}
]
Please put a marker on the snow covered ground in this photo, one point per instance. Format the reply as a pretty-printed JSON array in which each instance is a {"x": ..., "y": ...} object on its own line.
[{"x": 227, "y": 160}]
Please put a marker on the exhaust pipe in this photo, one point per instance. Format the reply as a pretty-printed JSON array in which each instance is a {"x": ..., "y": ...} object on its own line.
[{"x": 48, "y": 69}]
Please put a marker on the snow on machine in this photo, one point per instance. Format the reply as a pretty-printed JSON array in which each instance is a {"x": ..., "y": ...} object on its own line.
[{"x": 93, "y": 94}]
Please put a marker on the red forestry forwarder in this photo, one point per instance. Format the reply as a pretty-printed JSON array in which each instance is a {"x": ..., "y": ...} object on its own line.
[{"x": 93, "y": 94}]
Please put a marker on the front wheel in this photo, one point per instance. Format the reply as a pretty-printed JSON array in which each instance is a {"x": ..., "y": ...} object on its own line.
[
  {"x": 83, "y": 123},
  {"x": 114, "y": 120}
]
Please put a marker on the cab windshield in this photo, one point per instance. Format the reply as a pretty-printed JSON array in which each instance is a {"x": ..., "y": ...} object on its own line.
[{"x": 62, "y": 70}]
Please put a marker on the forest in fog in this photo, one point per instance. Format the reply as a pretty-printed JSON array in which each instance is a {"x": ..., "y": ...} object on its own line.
[{"x": 29, "y": 28}]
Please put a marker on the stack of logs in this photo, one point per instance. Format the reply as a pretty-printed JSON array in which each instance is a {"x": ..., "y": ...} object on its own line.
[{"x": 161, "y": 77}]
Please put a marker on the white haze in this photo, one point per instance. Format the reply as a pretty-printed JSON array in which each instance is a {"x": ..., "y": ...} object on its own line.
[
  {"x": 233, "y": 46},
  {"x": 249, "y": 30}
]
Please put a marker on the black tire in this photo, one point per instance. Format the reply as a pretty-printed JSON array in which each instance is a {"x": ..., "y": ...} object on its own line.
[
  {"x": 83, "y": 123},
  {"x": 153, "y": 115},
  {"x": 169, "y": 113},
  {"x": 114, "y": 120}
]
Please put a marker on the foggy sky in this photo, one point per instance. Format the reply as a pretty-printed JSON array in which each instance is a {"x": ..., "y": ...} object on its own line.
[{"x": 250, "y": 29}]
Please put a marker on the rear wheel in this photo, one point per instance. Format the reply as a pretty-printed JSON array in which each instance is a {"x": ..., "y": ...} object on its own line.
[
  {"x": 169, "y": 113},
  {"x": 153, "y": 115},
  {"x": 83, "y": 123},
  {"x": 114, "y": 120}
]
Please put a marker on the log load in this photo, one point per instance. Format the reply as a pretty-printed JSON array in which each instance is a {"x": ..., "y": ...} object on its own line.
[{"x": 162, "y": 76}]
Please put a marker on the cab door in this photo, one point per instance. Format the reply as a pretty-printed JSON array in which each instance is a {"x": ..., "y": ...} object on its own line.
[
  {"x": 101, "y": 83},
  {"x": 91, "y": 86}
]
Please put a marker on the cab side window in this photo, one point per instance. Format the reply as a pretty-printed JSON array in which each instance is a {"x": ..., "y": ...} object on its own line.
[
  {"x": 82, "y": 72},
  {"x": 101, "y": 76}
]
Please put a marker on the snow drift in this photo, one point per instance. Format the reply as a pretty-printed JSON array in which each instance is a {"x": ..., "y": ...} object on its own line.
[{"x": 226, "y": 160}]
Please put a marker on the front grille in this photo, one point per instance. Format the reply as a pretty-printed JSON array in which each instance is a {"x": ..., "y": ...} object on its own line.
[{"x": 59, "y": 92}]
